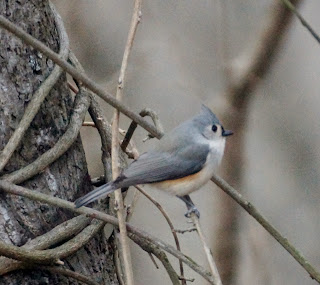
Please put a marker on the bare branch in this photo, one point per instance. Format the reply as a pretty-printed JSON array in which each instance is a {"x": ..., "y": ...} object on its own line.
[
  {"x": 50, "y": 256},
  {"x": 66, "y": 272},
  {"x": 89, "y": 124},
  {"x": 118, "y": 267},
  {"x": 38, "y": 97},
  {"x": 126, "y": 141},
  {"x": 166, "y": 216},
  {"x": 90, "y": 84},
  {"x": 239, "y": 89},
  {"x": 125, "y": 250},
  {"x": 133, "y": 126},
  {"x": 185, "y": 231},
  {"x": 81, "y": 105},
  {"x": 153, "y": 249},
  {"x": 11, "y": 188},
  {"x": 207, "y": 250},
  {"x": 60, "y": 233},
  {"x": 235, "y": 195},
  {"x": 100, "y": 123},
  {"x": 293, "y": 9}
]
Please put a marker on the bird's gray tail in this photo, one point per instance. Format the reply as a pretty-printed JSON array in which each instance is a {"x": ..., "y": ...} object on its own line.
[{"x": 97, "y": 193}]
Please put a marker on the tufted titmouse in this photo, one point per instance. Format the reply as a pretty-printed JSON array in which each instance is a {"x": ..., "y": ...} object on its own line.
[{"x": 182, "y": 161}]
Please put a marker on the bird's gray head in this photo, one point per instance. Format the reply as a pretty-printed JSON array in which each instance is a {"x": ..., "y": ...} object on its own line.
[{"x": 210, "y": 126}]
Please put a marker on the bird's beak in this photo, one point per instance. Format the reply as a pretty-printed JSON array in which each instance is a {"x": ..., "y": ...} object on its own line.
[{"x": 226, "y": 133}]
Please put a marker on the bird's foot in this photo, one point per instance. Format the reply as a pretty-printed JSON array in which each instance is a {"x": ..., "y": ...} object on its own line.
[{"x": 192, "y": 210}]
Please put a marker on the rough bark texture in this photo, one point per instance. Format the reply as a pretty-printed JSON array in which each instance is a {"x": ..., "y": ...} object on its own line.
[{"x": 22, "y": 71}]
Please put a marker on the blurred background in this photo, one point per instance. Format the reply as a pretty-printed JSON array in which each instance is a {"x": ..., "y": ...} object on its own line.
[{"x": 186, "y": 53}]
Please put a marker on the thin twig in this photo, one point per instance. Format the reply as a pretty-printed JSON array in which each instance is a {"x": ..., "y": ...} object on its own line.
[
  {"x": 133, "y": 154},
  {"x": 185, "y": 231},
  {"x": 89, "y": 124},
  {"x": 90, "y": 84},
  {"x": 100, "y": 123},
  {"x": 58, "y": 234},
  {"x": 166, "y": 216},
  {"x": 235, "y": 195},
  {"x": 133, "y": 126},
  {"x": 104, "y": 130},
  {"x": 187, "y": 279},
  {"x": 64, "y": 271},
  {"x": 154, "y": 116},
  {"x": 126, "y": 141},
  {"x": 293, "y": 9},
  {"x": 118, "y": 267},
  {"x": 121, "y": 254},
  {"x": 87, "y": 82},
  {"x": 207, "y": 250},
  {"x": 21, "y": 191},
  {"x": 132, "y": 205},
  {"x": 81, "y": 105},
  {"x": 11, "y": 188},
  {"x": 74, "y": 89},
  {"x": 125, "y": 250},
  {"x": 153, "y": 260},
  {"x": 38, "y": 97},
  {"x": 154, "y": 250}
]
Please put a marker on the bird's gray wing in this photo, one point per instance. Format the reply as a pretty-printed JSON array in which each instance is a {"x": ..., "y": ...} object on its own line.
[{"x": 156, "y": 166}]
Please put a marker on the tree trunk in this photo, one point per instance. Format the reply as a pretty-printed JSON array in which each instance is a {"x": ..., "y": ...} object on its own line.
[{"x": 23, "y": 69}]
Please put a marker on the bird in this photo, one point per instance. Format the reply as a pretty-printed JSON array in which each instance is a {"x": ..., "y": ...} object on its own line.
[{"x": 181, "y": 162}]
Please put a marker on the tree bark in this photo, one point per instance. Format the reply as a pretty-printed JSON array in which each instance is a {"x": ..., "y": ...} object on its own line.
[{"x": 23, "y": 69}]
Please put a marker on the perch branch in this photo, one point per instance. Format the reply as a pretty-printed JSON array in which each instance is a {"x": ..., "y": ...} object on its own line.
[
  {"x": 185, "y": 231},
  {"x": 11, "y": 188},
  {"x": 38, "y": 97},
  {"x": 235, "y": 195}
]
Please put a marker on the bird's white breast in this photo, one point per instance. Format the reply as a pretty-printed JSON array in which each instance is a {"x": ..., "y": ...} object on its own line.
[{"x": 216, "y": 150}]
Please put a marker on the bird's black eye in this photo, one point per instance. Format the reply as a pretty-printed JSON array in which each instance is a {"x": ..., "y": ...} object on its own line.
[{"x": 214, "y": 128}]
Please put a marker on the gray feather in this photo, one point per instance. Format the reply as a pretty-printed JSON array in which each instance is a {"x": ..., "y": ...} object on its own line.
[
  {"x": 96, "y": 194},
  {"x": 157, "y": 166}
]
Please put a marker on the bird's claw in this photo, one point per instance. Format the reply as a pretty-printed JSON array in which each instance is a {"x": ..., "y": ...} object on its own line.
[{"x": 192, "y": 210}]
